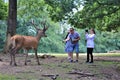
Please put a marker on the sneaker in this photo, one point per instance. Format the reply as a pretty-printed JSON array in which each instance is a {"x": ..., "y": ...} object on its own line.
[
  {"x": 76, "y": 61},
  {"x": 91, "y": 62},
  {"x": 71, "y": 60},
  {"x": 87, "y": 61}
]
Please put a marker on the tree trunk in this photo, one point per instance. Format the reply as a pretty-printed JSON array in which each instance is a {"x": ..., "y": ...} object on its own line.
[{"x": 12, "y": 20}]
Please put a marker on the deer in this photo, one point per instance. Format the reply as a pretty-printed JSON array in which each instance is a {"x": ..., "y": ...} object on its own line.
[{"x": 26, "y": 43}]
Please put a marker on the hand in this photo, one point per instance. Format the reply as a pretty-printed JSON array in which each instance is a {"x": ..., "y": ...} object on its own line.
[
  {"x": 64, "y": 41},
  {"x": 74, "y": 40}
]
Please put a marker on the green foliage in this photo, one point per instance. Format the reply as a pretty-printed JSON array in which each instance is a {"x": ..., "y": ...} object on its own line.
[
  {"x": 104, "y": 41},
  {"x": 26, "y": 13},
  {"x": 107, "y": 41},
  {"x": 51, "y": 43},
  {"x": 24, "y": 25},
  {"x": 3, "y": 10},
  {"x": 31, "y": 9},
  {"x": 59, "y": 9},
  {"x": 3, "y": 27},
  {"x": 100, "y": 14}
]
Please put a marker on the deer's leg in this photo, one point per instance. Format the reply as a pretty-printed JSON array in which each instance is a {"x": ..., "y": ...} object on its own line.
[
  {"x": 11, "y": 59},
  {"x": 11, "y": 56},
  {"x": 37, "y": 56},
  {"x": 12, "y": 50},
  {"x": 26, "y": 52},
  {"x": 14, "y": 58}
]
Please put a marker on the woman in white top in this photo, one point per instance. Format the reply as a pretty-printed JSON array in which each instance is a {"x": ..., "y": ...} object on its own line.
[{"x": 90, "y": 44}]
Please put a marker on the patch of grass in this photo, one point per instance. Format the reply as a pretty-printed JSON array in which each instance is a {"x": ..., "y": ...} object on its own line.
[
  {"x": 7, "y": 77},
  {"x": 83, "y": 54},
  {"x": 105, "y": 63},
  {"x": 108, "y": 54}
]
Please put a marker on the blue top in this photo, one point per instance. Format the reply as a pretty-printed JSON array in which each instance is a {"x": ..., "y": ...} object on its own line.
[
  {"x": 73, "y": 36},
  {"x": 90, "y": 40}
]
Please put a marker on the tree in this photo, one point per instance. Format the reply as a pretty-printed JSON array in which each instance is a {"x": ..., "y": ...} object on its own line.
[
  {"x": 57, "y": 9},
  {"x": 12, "y": 19},
  {"x": 100, "y": 14},
  {"x": 60, "y": 9}
]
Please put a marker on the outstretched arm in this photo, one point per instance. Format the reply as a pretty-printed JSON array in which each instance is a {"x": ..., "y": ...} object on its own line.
[
  {"x": 66, "y": 39},
  {"x": 90, "y": 36}
]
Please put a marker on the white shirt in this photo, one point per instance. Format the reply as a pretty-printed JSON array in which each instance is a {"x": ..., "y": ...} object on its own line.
[{"x": 90, "y": 40}]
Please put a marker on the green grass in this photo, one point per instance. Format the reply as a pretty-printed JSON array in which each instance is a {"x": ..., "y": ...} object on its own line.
[
  {"x": 108, "y": 54},
  {"x": 6, "y": 77},
  {"x": 83, "y": 54}
]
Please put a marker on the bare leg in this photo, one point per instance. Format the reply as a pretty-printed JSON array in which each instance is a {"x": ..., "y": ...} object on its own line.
[
  {"x": 37, "y": 56},
  {"x": 70, "y": 57},
  {"x": 77, "y": 56}
]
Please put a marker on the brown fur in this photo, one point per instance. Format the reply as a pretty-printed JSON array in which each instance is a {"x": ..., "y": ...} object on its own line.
[
  {"x": 18, "y": 42},
  {"x": 26, "y": 42}
]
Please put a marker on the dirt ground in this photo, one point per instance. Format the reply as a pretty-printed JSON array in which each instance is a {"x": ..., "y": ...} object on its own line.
[{"x": 58, "y": 68}]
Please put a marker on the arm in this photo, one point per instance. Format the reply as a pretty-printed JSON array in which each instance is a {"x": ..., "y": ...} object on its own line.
[
  {"x": 89, "y": 36},
  {"x": 77, "y": 39},
  {"x": 67, "y": 38}
]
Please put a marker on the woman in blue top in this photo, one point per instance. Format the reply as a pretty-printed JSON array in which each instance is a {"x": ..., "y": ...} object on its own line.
[
  {"x": 90, "y": 44},
  {"x": 68, "y": 47}
]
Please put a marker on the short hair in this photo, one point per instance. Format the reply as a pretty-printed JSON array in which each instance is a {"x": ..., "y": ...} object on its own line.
[{"x": 71, "y": 28}]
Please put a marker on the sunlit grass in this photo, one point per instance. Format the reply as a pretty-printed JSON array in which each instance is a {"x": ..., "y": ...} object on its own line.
[
  {"x": 6, "y": 77},
  {"x": 108, "y": 54},
  {"x": 81, "y": 54}
]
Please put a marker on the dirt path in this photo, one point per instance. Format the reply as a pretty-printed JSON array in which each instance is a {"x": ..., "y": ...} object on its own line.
[{"x": 103, "y": 68}]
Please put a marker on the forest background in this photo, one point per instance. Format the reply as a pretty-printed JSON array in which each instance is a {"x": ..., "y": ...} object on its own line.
[{"x": 60, "y": 15}]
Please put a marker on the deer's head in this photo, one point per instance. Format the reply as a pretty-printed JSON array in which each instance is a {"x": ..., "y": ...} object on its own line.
[{"x": 41, "y": 32}]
